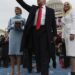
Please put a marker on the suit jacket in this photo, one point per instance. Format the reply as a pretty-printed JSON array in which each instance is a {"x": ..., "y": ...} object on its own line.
[{"x": 49, "y": 22}]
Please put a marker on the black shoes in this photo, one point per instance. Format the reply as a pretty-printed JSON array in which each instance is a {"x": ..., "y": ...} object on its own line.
[
  {"x": 54, "y": 65},
  {"x": 29, "y": 70},
  {"x": 72, "y": 73}
]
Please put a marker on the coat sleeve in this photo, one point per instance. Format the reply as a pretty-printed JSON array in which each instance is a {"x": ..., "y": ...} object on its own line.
[
  {"x": 24, "y": 23},
  {"x": 24, "y": 5},
  {"x": 63, "y": 24},
  {"x": 10, "y": 26},
  {"x": 72, "y": 31},
  {"x": 54, "y": 28},
  {"x": 23, "y": 42}
]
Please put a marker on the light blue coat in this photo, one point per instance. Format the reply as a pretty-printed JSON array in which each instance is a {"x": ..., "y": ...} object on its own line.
[{"x": 15, "y": 36}]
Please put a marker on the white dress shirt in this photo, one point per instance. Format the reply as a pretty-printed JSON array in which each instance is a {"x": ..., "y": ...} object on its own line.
[{"x": 43, "y": 15}]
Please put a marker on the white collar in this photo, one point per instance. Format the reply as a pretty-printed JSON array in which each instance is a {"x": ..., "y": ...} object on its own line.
[{"x": 43, "y": 6}]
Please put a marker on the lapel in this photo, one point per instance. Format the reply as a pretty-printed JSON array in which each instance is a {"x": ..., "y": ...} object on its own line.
[
  {"x": 47, "y": 16},
  {"x": 31, "y": 17},
  {"x": 32, "y": 14},
  {"x": 33, "y": 10}
]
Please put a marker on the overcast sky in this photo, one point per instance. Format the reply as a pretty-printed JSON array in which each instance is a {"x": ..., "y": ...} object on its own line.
[{"x": 7, "y": 10}]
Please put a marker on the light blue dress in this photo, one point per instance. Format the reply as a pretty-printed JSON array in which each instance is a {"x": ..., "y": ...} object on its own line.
[{"x": 15, "y": 36}]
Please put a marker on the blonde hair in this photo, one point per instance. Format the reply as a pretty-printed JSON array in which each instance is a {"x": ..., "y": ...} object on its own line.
[{"x": 70, "y": 7}]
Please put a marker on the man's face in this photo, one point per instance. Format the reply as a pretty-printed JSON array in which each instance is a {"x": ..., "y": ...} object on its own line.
[{"x": 41, "y": 2}]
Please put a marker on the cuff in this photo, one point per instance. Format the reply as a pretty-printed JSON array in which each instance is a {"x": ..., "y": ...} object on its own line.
[
  {"x": 72, "y": 32},
  {"x": 22, "y": 27},
  {"x": 12, "y": 25}
]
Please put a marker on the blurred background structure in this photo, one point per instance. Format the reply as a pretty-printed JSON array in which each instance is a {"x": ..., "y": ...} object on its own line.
[{"x": 57, "y": 5}]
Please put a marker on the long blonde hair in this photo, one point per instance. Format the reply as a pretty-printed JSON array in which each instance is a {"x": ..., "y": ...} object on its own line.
[{"x": 70, "y": 7}]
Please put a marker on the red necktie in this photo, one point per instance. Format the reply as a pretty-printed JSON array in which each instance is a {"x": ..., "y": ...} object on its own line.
[{"x": 38, "y": 22}]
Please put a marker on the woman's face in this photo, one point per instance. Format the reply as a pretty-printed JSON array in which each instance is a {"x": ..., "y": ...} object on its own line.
[
  {"x": 17, "y": 11},
  {"x": 66, "y": 6}
]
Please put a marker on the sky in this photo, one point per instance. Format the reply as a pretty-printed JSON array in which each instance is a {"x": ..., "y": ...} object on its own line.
[{"x": 7, "y": 10}]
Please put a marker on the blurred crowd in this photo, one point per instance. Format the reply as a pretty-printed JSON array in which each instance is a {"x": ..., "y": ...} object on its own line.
[
  {"x": 4, "y": 58},
  {"x": 59, "y": 47}
]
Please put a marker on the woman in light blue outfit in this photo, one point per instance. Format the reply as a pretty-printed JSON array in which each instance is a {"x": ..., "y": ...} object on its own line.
[{"x": 15, "y": 30}]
